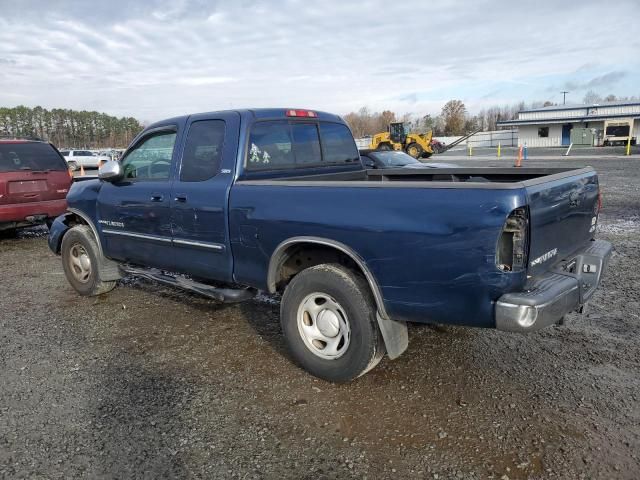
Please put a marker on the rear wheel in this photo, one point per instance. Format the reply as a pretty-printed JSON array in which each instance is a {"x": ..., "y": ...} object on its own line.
[
  {"x": 414, "y": 150},
  {"x": 80, "y": 261},
  {"x": 329, "y": 321}
]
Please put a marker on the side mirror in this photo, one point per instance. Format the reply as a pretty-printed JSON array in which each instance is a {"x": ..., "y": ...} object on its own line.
[
  {"x": 110, "y": 171},
  {"x": 368, "y": 163}
]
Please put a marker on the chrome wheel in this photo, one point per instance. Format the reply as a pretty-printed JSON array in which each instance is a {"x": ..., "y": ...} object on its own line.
[
  {"x": 79, "y": 263},
  {"x": 323, "y": 326}
]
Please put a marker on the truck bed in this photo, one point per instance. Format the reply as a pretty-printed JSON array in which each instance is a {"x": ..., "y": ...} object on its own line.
[
  {"x": 431, "y": 249},
  {"x": 499, "y": 178}
]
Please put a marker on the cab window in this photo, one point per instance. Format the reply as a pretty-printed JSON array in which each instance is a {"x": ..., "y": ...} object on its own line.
[
  {"x": 337, "y": 143},
  {"x": 270, "y": 146},
  {"x": 281, "y": 144},
  {"x": 275, "y": 145},
  {"x": 150, "y": 159},
  {"x": 203, "y": 151}
]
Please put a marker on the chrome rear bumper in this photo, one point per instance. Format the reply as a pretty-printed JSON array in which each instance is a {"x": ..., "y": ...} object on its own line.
[{"x": 557, "y": 293}]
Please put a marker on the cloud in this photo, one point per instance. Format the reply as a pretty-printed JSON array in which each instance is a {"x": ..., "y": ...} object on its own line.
[
  {"x": 160, "y": 58},
  {"x": 197, "y": 81},
  {"x": 601, "y": 81},
  {"x": 409, "y": 98}
]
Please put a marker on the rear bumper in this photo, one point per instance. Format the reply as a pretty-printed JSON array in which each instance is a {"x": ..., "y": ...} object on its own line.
[
  {"x": 34, "y": 212},
  {"x": 555, "y": 294}
]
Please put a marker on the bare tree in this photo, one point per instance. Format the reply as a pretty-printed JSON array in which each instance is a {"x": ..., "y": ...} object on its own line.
[{"x": 592, "y": 97}]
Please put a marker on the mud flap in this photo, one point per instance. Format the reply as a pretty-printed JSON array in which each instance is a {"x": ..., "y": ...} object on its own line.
[{"x": 395, "y": 335}]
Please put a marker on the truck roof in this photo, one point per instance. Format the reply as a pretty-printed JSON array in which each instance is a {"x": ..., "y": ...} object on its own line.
[{"x": 257, "y": 113}]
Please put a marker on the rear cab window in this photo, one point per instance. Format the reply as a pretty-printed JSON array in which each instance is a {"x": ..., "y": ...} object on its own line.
[
  {"x": 337, "y": 143},
  {"x": 30, "y": 156},
  {"x": 285, "y": 144}
]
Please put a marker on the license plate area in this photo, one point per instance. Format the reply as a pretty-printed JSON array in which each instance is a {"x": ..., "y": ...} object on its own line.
[{"x": 27, "y": 186}]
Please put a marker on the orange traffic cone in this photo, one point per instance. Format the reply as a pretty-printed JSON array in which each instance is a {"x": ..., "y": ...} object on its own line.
[
  {"x": 519, "y": 159},
  {"x": 82, "y": 170}
]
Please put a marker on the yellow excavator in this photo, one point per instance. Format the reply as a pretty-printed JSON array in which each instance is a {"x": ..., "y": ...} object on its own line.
[
  {"x": 418, "y": 145},
  {"x": 397, "y": 138}
]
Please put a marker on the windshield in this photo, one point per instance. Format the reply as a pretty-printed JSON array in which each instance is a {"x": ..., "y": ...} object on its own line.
[
  {"x": 29, "y": 156},
  {"x": 393, "y": 159}
]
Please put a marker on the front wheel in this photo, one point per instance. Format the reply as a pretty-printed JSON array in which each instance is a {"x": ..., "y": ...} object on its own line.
[
  {"x": 329, "y": 321},
  {"x": 80, "y": 261},
  {"x": 414, "y": 150}
]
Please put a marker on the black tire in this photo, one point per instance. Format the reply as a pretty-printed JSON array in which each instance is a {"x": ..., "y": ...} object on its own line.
[
  {"x": 384, "y": 147},
  {"x": 80, "y": 244},
  {"x": 426, "y": 155},
  {"x": 364, "y": 348},
  {"x": 414, "y": 150}
]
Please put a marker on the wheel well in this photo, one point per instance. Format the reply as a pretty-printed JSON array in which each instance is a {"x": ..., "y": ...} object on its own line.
[
  {"x": 301, "y": 256},
  {"x": 70, "y": 220},
  {"x": 299, "y": 253},
  {"x": 73, "y": 219}
]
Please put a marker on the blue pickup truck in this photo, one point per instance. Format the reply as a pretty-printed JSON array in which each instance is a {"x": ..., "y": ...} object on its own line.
[{"x": 229, "y": 203}]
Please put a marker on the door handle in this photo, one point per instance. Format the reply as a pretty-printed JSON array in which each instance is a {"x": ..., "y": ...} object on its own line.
[
  {"x": 157, "y": 197},
  {"x": 181, "y": 197}
]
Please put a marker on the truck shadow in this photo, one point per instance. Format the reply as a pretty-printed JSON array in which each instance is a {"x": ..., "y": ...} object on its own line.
[
  {"x": 137, "y": 421},
  {"x": 263, "y": 316}
]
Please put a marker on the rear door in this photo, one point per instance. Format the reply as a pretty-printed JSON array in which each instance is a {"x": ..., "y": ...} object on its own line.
[
  {"x": 199, "y": 196},
  {"x": 563, "y": 214},
  {"x": 31, "y": 172},
  {"x": 134, "y": 213}
]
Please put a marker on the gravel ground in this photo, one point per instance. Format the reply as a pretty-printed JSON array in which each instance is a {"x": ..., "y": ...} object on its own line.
[{"x": 149, "y": 382}]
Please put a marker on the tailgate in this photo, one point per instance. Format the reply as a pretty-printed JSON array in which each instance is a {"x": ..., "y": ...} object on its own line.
[
  {"x": 563, "y": 211},
  {"x": 27, "y": 187}
]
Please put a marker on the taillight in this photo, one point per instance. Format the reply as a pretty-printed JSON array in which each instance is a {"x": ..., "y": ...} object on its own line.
[
  {"x": 599, "y": 201},
  {"x": 301, "y": 113},
  {"x": 511, "y": 251}
]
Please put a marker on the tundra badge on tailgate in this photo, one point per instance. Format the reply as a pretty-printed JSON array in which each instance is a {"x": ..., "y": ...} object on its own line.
[{"x": 544, "y": 257}]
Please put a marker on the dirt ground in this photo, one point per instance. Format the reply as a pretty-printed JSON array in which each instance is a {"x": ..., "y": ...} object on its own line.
[{"x": 149, "y": 382}]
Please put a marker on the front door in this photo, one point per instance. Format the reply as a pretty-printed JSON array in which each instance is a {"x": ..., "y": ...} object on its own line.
[
  {"x": 134, "y": 212},
  {"x": 199, "y": 197},
  {"x": 566, "y": 134}
]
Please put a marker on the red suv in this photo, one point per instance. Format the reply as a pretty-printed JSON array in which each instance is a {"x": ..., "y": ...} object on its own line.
[{"x": 34, "y": 181}]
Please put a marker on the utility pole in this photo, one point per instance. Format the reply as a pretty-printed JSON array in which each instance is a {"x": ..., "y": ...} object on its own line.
[{"x": 564, "y": 97}]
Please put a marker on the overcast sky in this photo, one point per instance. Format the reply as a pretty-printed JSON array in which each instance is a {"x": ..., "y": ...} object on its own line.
[{"x": 153, "y": 59}]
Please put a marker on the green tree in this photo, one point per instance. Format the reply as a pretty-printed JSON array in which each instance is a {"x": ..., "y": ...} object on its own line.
[
  {"x": 454, "y": 113},
  {"x": 69, "y": 128}
]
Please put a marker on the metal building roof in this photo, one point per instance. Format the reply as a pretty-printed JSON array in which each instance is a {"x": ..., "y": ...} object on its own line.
[{"x": 577, "y": 106}]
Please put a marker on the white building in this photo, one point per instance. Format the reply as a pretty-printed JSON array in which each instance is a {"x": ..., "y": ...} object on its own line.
[{"x": 598, "y": 124}]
